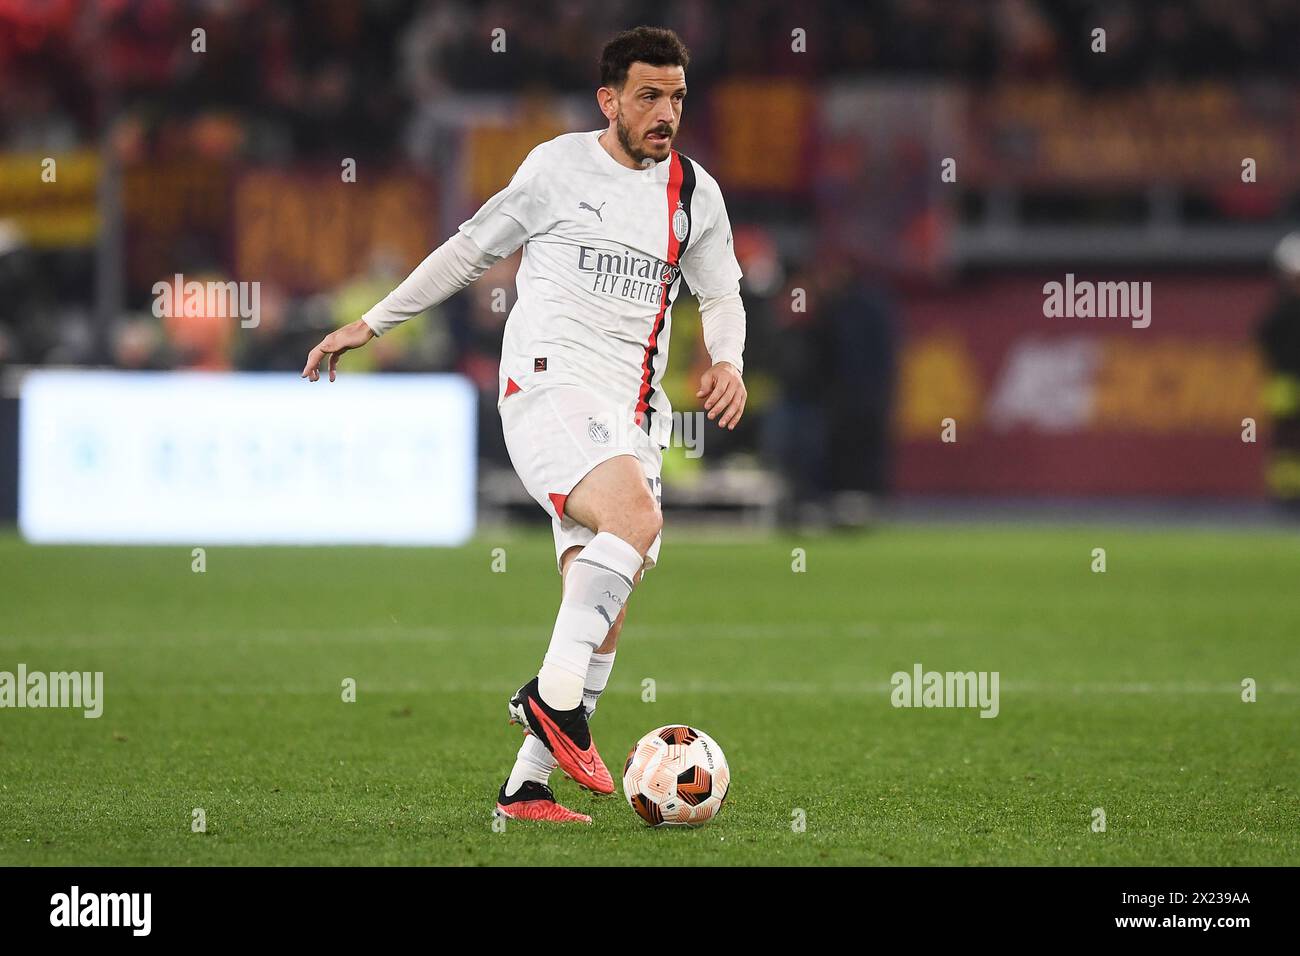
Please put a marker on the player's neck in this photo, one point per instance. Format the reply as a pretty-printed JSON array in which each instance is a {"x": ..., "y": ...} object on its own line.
[{"x": 608, "y": 141}]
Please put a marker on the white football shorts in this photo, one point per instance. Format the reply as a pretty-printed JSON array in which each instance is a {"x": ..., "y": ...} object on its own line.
[{"x": 556, "y": 434}]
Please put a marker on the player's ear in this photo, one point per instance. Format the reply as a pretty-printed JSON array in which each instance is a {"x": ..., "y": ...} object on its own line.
[{"x": 607, "y": 99}]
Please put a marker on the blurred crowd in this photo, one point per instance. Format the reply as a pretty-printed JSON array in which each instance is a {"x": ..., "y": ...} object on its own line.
[
  {"x": 284, "y": 82},
  {"x": 306, "y": 75}
]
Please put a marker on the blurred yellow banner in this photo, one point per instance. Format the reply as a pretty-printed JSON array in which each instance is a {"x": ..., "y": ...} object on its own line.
[
  {"x": 310, "y": 231},
  {"x": 51, "y": 199},
  {"x": 761, "y": 129},
  {"x": 1056, "y": 135}
]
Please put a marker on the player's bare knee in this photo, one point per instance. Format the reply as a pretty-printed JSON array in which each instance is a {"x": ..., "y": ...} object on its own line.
[
  {"x": 654, "y": 522},
  {"x": 644, "y": 524}
]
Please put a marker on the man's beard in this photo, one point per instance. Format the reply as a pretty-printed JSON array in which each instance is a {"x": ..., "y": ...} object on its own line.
[{"x": 639, "y": 156}]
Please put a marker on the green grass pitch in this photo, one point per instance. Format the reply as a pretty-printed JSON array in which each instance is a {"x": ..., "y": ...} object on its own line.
[{"x": 1119, "y": 690}]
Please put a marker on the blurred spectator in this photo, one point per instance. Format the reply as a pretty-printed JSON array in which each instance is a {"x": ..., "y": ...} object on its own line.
[
  {"x": 1279, "y": 336},
  {"x": 298, "y": 86},
  {"x": 138, "y": 345},
  {"x": 274, "y": 344},
  {"x": 796, "y": 427},
  {"x": 827, "y": 432},
  {"x": 199, "y": 336},
  {"x": 859, "y": 313},
  {"x": 419, "y": 345}
]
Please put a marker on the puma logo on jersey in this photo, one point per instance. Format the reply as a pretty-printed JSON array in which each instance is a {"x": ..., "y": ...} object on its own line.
[{"x": 583, "y": 205}]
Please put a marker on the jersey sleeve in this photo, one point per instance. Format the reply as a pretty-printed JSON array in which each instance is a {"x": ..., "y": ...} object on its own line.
[
  {"x": 709, "y": 263},
  {"x": 508, "y": 219}
]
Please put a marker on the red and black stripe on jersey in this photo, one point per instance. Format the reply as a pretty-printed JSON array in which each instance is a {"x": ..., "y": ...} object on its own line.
[{"x": 681, "y": 187}]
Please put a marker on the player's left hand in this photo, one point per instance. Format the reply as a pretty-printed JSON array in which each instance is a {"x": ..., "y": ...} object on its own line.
[
  {"x": 726, "y": 394},
  {"x": 351, "y": 336}
]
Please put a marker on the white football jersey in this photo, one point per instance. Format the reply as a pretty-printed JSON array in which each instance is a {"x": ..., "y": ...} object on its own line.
[{"x": 605, "y": 249}]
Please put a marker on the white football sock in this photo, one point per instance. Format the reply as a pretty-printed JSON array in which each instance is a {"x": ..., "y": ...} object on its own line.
[
  {"x": 596, "y": 587},
  {"x": 534, "y": 762},
  {"x": 597, "y": 679}
]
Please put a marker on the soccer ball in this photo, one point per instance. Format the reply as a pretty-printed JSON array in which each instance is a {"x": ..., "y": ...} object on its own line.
[{"x": 676, "y": 776}]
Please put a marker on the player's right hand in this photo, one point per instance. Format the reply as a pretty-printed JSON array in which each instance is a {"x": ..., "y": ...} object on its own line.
[
  {"x": 351, "y": 336},
  {"x": 726, "y": 394}
]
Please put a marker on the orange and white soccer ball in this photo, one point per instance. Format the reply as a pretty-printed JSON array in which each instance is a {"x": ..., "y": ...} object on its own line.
[{"x": 676, "y": 776}]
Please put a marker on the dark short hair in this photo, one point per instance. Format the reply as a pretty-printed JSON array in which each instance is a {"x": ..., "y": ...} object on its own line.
[{"x": 653, "y": 45}]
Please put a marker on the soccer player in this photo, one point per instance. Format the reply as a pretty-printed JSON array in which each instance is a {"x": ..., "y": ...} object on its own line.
[{"x": 610, "y": 221}]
